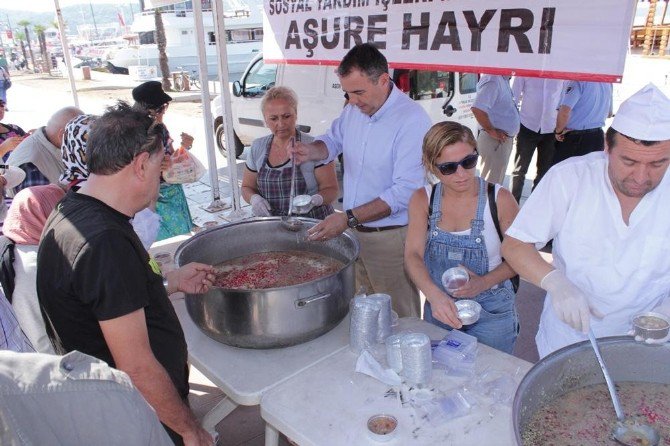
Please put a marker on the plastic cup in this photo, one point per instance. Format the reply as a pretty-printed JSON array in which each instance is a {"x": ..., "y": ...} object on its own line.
[
  {"x": 468, "y": 311},
  {"x": 454, "y": 278}
]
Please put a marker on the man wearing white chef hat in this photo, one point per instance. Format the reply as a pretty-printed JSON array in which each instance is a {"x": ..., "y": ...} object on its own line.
[{"x": 609, "y": 217}]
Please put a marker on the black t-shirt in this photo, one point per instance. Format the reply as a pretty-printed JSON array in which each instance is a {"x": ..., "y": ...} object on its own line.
[{"x": 91, "y": 267}]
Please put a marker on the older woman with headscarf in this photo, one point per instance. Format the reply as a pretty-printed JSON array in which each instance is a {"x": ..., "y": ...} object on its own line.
[
  {"x": 73, "y": 151},
  {"x": 24, "y": 223}
]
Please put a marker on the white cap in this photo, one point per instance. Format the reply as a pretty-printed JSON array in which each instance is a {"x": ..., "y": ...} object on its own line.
[
  {"x": 645, "y": 115},
  {"x": 14, "y": 176}
]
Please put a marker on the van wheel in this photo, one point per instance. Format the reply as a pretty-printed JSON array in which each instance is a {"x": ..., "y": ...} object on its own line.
[{"x": 221, "y": 142}]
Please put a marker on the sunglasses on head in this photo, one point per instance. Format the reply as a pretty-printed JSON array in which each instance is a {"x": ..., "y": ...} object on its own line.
[{"x": 468, "y": 162}]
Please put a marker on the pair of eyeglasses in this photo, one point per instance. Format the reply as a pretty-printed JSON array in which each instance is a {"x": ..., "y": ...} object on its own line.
[{"x": 469, "y": 162}]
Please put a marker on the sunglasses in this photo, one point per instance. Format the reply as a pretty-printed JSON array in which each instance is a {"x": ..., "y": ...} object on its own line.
[{"x": 469, "y": 162}]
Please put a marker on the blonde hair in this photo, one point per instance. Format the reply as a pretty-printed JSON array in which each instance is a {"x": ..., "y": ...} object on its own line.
[
  {"x": 283, "y": 93},
  {"x": 441, "y": 135}
]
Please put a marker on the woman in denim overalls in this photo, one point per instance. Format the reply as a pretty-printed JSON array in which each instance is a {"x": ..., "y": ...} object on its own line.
[{"x": 461, "y": 232}]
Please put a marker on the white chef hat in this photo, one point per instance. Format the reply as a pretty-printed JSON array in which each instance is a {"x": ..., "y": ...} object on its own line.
[{"x": 645, "y": 115}]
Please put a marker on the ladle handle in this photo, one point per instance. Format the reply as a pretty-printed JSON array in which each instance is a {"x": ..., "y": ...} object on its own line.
[
  {"x": 608, "y": 378},
  {"x": 292, "y": 192}
]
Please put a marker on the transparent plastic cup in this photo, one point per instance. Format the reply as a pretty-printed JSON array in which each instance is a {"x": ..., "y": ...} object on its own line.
[{"x": 454, "y": 278}]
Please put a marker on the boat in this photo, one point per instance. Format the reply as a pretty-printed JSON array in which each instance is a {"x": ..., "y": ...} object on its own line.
[{"x": 244, "y": 38}]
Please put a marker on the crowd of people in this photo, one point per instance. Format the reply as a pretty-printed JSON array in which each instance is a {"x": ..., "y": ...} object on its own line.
[{"x": 411, "y": 194}]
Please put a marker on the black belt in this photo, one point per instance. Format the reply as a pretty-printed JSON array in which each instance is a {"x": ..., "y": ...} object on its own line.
[
  {"x": 362, "y": 228},
  {"x": 577, "y": 132}
]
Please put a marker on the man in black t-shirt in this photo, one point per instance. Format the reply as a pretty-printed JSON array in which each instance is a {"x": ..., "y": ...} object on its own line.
[{"x": 100, "y": 292}]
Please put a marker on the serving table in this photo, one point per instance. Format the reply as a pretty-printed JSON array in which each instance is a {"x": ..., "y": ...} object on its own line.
[
  {"x": 244, "y": 375},
  {"x": 329, "y": 403}
]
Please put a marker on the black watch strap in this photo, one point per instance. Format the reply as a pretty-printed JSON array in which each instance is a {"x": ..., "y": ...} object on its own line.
[{"x": 352, "y": 221}]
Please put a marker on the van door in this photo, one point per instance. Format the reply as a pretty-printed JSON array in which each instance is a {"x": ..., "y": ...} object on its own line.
[{"x": 445, "y": 95}]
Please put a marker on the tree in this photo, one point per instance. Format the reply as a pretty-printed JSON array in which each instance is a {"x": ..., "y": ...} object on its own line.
[
  {"x": 22, "y": 37},
  {"x": 161, "y": 43},
  {"x": 41, "y": 39},
  {"x": 25, "y": 24}
]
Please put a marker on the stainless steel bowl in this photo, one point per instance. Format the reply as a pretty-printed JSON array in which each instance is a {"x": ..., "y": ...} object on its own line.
[
  {"x": 275, "y": 317},
  {"x": 651, "y": 325},
  {"x": 575, "y": 366}
]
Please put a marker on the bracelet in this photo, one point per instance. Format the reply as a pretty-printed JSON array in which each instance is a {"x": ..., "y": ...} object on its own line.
[{"x": 556, "y": 132}]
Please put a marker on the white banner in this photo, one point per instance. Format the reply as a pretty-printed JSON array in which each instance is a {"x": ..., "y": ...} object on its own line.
[{"x": 565, "y": 39}]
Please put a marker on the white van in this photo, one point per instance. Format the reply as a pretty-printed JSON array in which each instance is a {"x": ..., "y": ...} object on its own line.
[{"x": 444, "y": 95}]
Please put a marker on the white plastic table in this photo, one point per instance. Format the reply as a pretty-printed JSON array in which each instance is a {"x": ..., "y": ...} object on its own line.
[
  {"x": 329, "y": 404},
  {"x": 245, "y": 374}
]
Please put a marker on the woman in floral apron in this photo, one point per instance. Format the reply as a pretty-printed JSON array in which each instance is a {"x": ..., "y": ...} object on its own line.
[
  {"x": 266, "y": 184},
  {"x": 450, "y": 224}
]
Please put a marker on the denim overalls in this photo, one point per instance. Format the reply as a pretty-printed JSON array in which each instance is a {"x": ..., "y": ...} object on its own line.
[{"x": 498, "y": 323}]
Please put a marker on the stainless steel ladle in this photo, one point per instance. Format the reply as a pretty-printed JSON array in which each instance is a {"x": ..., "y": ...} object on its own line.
[
  {"x": 289, "y": 222},
  {"x": 626, "y": 432}
]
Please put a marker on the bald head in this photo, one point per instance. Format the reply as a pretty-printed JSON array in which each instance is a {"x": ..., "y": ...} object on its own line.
[{"x": 56, "y": 125}]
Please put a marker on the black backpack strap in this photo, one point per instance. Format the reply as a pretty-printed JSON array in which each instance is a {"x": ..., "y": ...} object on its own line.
[
  {"x": 7, "y": 273},
  {"x": 493, "y": 206},
  {"x": 430, "y": 203}
]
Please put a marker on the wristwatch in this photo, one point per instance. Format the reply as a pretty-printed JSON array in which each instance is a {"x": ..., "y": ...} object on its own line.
[{"x": 352, "y": 221}]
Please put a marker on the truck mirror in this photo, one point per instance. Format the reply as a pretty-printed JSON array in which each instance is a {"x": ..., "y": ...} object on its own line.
[{"x": 237, "y": 89}]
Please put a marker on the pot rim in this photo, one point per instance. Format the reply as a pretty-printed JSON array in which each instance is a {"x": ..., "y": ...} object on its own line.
[
  {"x": 347, "y": 233},
  {"x": 554, "y": 356}
]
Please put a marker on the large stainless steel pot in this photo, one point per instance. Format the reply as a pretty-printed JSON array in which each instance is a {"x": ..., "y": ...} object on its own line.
[
  {"x": 575, "y": 366},
  {"x": 276, "y": 317}
]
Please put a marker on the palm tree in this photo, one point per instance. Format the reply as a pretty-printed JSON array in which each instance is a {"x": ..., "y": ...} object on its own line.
[
  {"x": 162, "y": 55},
  {"x": 41, "y": 38},
  {"x": 22, "y": 37},
  {"x": 25, "y": 24}
]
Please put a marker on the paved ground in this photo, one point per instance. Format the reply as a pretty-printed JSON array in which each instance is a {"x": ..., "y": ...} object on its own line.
[{"x": 33, "y": 98}]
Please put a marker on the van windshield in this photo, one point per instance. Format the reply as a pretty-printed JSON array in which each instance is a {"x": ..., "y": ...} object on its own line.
[{"x": 261, "y": 77}]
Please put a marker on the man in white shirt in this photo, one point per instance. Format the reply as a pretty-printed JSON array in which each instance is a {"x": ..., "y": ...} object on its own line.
[
  {"x": 609, "y": 217},
  {"x": 380, "y": 132},
  {"x": 538, "y": 100}
]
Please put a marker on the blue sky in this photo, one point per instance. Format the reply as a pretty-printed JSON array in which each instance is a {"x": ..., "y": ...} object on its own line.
[{"x": 48, "y": 5}]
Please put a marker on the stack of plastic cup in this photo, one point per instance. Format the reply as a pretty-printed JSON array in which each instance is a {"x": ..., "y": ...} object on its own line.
[
  {"x": 417, "y": 364},
  {"x": 364, "y": 323},
  {"x": 385, "y": 318},
  {"x": 394, "y": 352}
]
